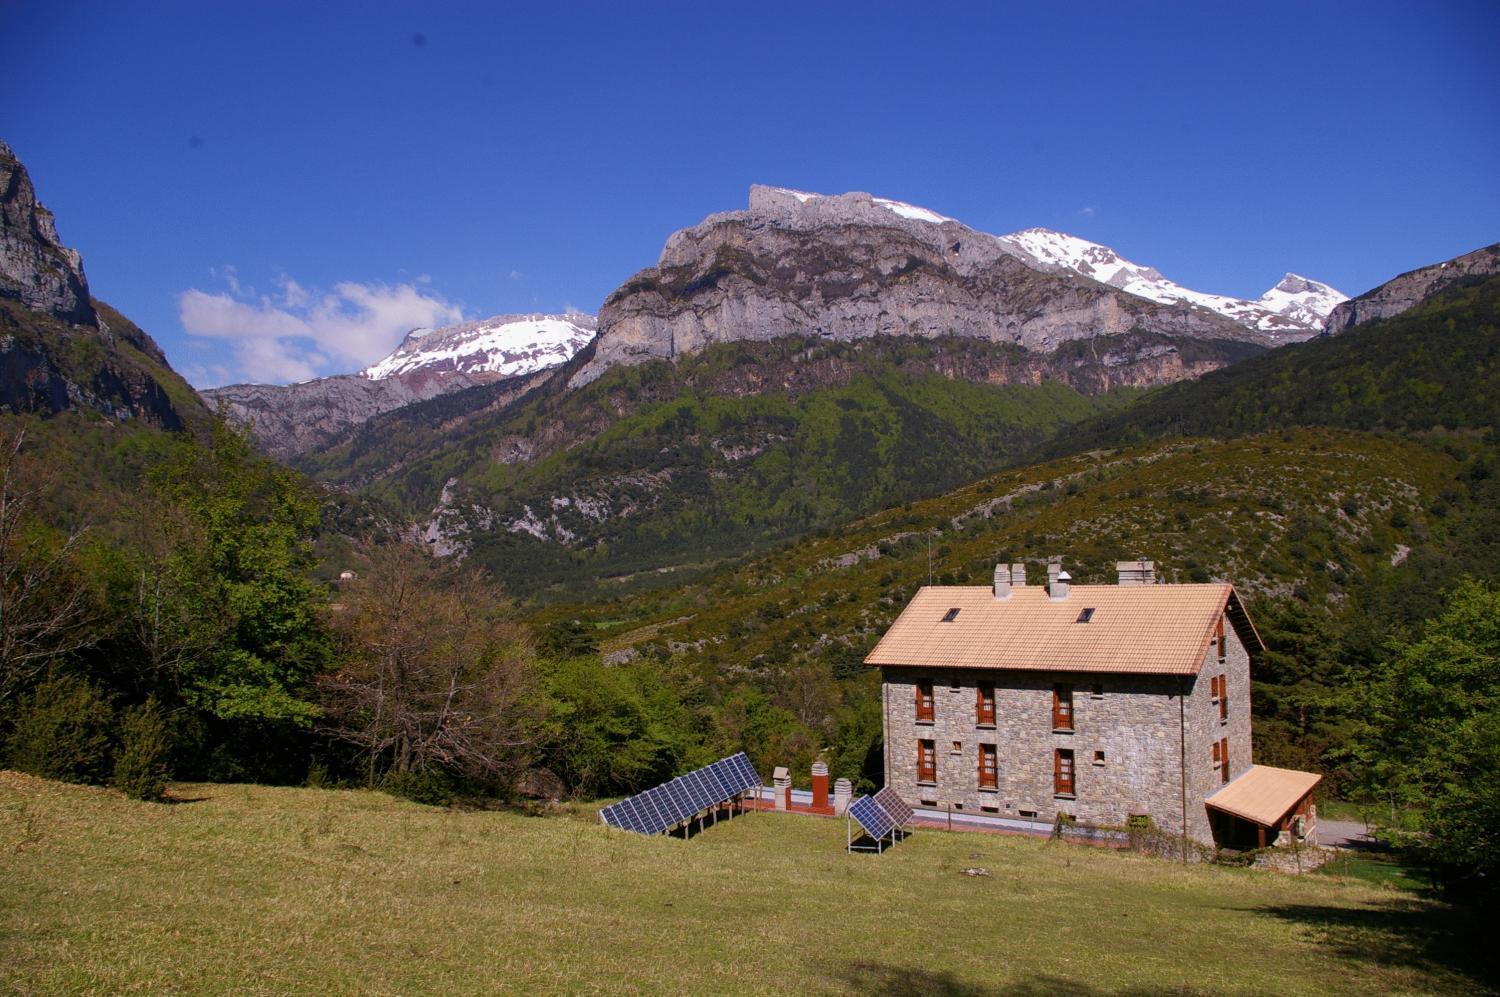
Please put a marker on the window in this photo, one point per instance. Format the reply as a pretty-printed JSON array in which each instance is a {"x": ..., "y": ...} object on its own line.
[
  {"x": 1062, "y": 772},
  {"x": 1223, "y": 699},
  {"x": 926, "y": 761},
  {"x": 925, "y": 711},
  {"x": 950, "y": 615},
  {"x": 984, "y": 705},
  {"x": 1213, "y": 688},
  {"x": 1219, "y": 640},
  {"x": 989, "y": 770},
  {"x": 1062, "y": 706},
  {"x": 1216, "y": 756},
  {"x": 1096, "y": 691},
  {"x": 1224, "y": 759},
  {"x": 1098, "y": 758},
  {"x": 1085, "y": 616},
  {"x": 958, "y": 748}
]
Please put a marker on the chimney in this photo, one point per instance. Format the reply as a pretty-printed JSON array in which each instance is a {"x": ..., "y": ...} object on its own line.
[
  {"x": 1059, "y": 588},
  {"x": 1054, "y": 568},
  {"x": 1002, "y": 582},
  {"x": 1139, "y": 572},
  {"x": 781, "y": 781},
  {"x": 820, "y": 803},
  {"x": 1018, "y": 575}
]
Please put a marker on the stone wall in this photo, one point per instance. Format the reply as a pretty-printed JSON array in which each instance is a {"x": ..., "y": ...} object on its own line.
[{"x": 1204, "y": 728}]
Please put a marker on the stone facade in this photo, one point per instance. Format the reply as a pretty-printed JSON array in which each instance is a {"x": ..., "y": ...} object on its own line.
[{"x": 1138, "y": 741}]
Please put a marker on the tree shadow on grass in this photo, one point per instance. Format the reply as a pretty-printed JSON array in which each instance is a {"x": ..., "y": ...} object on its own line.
[
  {"x": 908, "y": 981},
  {"x": 1427, "y": 936}
]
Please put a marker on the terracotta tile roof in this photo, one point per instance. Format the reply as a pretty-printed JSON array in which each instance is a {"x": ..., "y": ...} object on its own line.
[
  {"x": 1264, "y": 795},
  {"x": 1151, "y": 629}
]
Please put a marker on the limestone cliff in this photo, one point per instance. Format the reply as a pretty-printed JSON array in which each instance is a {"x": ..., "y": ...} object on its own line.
[
  {"x": 1412, "y": 288},
  {"x": 853, "y": 266}
]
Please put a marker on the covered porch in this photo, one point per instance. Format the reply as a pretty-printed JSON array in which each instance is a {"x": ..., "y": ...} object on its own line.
[{"x": 1262, "y": 804}]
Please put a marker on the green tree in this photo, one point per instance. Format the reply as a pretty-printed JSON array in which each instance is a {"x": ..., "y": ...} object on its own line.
[
  {"x": 616, "y": 728},
  {"x": 240, "y": 563},
  {"x": 1431, "y": 732}
]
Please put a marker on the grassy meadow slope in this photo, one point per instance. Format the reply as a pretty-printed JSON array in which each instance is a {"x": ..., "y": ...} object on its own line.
[{"x": 250, "y": 888}]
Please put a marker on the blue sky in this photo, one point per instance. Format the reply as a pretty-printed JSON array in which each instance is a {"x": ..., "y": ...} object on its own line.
[{"x": 297, "y": 183}]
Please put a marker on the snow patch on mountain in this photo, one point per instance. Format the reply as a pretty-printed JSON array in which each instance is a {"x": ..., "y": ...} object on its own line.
[
  {"x": 1293, "y": 309},
  {"x": 504, "y": 346}
]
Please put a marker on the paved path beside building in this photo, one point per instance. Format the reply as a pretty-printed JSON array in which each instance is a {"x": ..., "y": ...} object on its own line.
[{"x": 1343, "y": 834}]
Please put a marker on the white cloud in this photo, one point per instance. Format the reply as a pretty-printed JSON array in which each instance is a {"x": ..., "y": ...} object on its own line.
[
  {"x": 1088, "y": 212},
  {"x": 299, "y": 333}
]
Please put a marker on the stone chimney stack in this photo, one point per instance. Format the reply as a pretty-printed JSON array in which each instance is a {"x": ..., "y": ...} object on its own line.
[
  {"x": 1057, "y": 579},
  {"x": 1141, "y": 572},
  {"x": 1002, "y": 581},
  {"x": 1018, "y": 575},
  {"x": 1060, "y": 585}
]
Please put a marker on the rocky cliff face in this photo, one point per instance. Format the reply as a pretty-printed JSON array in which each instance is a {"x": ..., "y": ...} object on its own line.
[
  {"x": 59, "y": 348},
  {"x": 36, "y": 269},
  {"x": 1410, "y": 289},
  {"x": 291, "y": 420},
  {"x": 853, "y": 266}
]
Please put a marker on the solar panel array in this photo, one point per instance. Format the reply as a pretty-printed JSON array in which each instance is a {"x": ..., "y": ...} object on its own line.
[
  {"x": 872, "y": 817},
  {"x": 685, "y": 797},
  {"x": 901, "y": 814}
]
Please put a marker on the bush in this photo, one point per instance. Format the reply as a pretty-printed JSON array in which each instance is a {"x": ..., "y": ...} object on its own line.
[
  {"x": 64, "y": 731},
  {"x": 141, "y": 771},
  {"x": 430, "y": 785}
]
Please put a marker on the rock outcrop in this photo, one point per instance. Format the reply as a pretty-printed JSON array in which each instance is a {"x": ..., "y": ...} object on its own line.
[
  {"x": 36, "y": 269},
  {"x": 59, "y": 348},
  {"x": 1402, "y": 293},
  {"x": 853, "y": 266}
]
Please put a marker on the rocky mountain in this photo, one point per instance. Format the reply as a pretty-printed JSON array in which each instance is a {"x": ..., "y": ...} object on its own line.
[
  {"x": 505, "y": 346},
  {"x": 852, "y": 265},
  {"x": 1291, "y": 311},
  {"x": 60, "y": 349},
  {"x": 287, "y": 421},
  {"x": 1400, "y": 294}
]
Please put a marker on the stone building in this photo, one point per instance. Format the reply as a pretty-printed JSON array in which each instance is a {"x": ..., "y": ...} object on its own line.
[{"x": 1101, "y": 702}]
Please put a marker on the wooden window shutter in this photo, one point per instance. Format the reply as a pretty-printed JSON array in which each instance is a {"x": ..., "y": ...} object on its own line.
[
  {"x": 1062, "y": 706},
  {"x": 1216, "y": 754},
  {"x": 1224, "y": 759},
  {"x": 1219, "y": 639},
  {"x": 1223, "y": 697}
]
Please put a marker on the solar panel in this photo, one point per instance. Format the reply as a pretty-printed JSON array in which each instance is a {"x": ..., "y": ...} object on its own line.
[
  {"x": 901, "y": 814},
  {"x": 876, "y": 822},
  {"x": 663, "y": 807}
]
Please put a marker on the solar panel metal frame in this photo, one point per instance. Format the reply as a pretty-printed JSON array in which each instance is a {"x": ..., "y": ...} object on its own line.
[
  {"x": 872, "y": 817},
  {"x": 897, "y": 808}
]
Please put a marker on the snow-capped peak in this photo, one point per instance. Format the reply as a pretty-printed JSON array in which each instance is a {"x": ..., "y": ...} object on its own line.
[
  {"x": 1302, "y": 299},
  {"x": 504, "y": 346},
  {"x": 1293, "y": 309}
]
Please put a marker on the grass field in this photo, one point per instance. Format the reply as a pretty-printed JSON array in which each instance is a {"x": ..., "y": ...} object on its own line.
[{"x": 255, "y": 889}]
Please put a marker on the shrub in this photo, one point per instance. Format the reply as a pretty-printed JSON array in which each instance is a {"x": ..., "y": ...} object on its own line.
[
  {"x": 141, "y": 771},
  {"x": 430, "y": 785},
  {"x": 63, "y": 731}
]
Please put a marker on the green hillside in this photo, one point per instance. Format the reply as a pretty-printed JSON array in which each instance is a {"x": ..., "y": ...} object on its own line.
[
  {"x": 666, "y": 465},
  {"x": 1310, "y": 513},
  {"x": 252, "y": 889},
  {"x": 1436, "y": 366}
]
